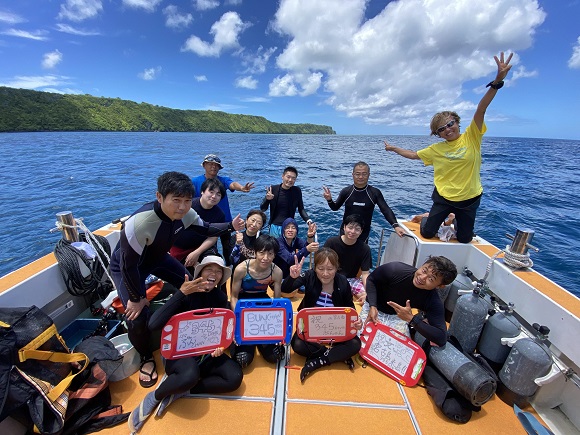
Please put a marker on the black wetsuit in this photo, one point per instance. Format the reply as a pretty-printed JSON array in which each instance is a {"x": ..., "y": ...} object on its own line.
[
  {"x": 362, "y": 202},
  {"x": 143, "y": 250},
  {"x": 279, "y": 212},
  {"x": 394, "y": 282},
  {"x": 199, "y": 374}
]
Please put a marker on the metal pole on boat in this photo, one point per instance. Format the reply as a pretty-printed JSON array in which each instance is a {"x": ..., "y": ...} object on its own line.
[
  {"x": 380, "y": 247},
  {"x": 69, "y": 230}
]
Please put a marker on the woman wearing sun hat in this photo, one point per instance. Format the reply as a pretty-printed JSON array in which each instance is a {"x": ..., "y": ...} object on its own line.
[
  {"x": 207, "y": 374},
  {"x": 456, "y": 163}
]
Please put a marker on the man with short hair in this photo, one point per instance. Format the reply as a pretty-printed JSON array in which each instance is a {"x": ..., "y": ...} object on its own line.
[
  {"x": 354, "y": 255},
  {"x": 360, "y": 198},
  {"x": 393, "y": 289},
  {"x": 190, "y": 247},
  {"x": 143, "y": 250},
  {"x": 212, "y": 164},
  {"x": 283, "y": 201}
]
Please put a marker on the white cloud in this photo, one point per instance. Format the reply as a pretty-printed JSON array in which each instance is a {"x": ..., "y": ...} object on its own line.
[
  {"x": 148, "y": 5},
  {"x": 39, "y": 35},
  {"x": 65, "y": 28},
  {"x": 10, "y": 18},
  {"x": 204, "y": 5},
  {"x": 176, "y": 20},
  {"x": 36, "y": 82},
  {"x": 247, "y": 82},
  {"x": 256, "y": 63},
  {"x": 225, "y": 32},
  {"x": 233, "y": 2},
  {"x": 255, "y": 100},
  {"x": 51, "y": 59},
  {"x": 79, "y": 10},
  {"x": 405, "y": 63},
  {"x": 200, "y": 78},
  {"x": 283, "y": 87},
  {"x": 574, "y": 61},
  {"x": 150, "y": 73}
]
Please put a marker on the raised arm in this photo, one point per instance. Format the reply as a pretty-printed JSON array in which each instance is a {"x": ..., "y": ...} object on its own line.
[
  {"x": 241, "y": 187},
  {"x": 409, "y": 154},
  {"x": 503, "y": 68},
  {"x": 269, "y": 197},
  {"x": 342, "y": 196}
]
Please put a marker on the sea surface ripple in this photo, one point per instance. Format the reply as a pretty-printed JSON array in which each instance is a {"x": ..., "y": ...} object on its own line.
[{"x": 528, "y": 183}]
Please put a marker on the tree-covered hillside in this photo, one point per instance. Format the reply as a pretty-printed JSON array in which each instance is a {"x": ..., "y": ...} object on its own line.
[{"x": 26, "y": 110}]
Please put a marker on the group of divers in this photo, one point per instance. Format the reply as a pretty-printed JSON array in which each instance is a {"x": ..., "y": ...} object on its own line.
[{"x": 174, "y": 238}]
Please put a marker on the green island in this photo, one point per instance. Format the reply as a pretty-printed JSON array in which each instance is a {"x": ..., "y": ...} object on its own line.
[{"x": 23, "y": 110}]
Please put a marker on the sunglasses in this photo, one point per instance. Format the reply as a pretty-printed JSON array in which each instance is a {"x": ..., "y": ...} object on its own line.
[{"x": 446, "y": 126}]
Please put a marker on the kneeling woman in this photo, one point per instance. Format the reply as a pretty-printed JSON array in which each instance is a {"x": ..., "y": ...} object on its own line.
[
  {"x": 207, "y": 374},
  {"x": 324, "y": 287}
]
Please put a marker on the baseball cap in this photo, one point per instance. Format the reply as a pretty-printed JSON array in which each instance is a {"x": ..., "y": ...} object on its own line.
[{"x": 212, "y": 158}]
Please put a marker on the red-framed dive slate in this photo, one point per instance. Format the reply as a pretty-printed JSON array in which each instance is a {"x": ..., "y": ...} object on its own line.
[
  {"x": 326, "y": 325},
  {"x": 393, "y": 353},
  {"x": 263, "y": 321},
  {"x": 197, "y": 332}
]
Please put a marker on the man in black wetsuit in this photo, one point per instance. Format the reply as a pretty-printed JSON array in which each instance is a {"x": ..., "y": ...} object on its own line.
[
  {"x": 393, "y": 289},
  {"x": 143, "y": 249},
  {"x": 191, "y": 246},
  {"x": 360, "y": 198},
  {"x": 283, "y": 200}
]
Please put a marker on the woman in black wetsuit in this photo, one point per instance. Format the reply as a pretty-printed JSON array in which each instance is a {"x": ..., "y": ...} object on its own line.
[
  {"x": 242, "y": 242},
  {"x": 206, "y": 374},
  {"x": 324, "y": 287}
]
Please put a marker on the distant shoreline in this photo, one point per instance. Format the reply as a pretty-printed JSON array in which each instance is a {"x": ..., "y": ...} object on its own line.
[{"x": 30, "y": 111}]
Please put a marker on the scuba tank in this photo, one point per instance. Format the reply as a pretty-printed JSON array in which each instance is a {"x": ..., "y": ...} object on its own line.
[
  {"x": 468, "y": 320},
  {"x": 467, "y": 377},
  {"x": 500, "y": 324},
  {"x": 462, "y": 283},
  {"x": 527, "y": 361}
]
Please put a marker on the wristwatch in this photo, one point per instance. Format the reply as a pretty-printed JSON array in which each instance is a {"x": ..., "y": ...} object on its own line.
[
  {"x": 417, "y": 318},
  {"x": 495, "y": 86}
]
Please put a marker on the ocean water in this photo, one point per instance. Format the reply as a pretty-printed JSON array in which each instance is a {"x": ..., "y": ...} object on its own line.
[{"x": 528, "y": 183}]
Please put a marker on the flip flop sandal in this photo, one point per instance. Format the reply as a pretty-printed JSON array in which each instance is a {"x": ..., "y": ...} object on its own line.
[
  {"x": 148, "y": 383},
  {"x": 140, "y": 414}
]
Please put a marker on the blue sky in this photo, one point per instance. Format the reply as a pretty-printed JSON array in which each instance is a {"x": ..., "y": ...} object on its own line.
[{"x": 362, "y": 67}]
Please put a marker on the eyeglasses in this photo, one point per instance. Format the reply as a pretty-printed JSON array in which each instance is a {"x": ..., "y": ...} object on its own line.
[{"x": 445, "y": 127}]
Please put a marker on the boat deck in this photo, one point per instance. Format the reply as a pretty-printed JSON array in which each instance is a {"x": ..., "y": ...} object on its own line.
[{"x": 333, "y": 400}]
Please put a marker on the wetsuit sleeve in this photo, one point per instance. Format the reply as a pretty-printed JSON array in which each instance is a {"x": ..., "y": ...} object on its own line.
[
  {"x": 371, "y": 289},
  {"x": 132, "y": 278},
  {"x": 290, "y": 284},
  {"x": 236, "y": 252},
  {"x": 335, "y": 205},
  {"x": 266, "y": 202},
  {"x": 162, "y": 315},
  {"x": 383, "y": 206},
  {"x": 435, "y": 330},
  {"x": 301, "y": 210},
  {"x": 194, "y": 222}
]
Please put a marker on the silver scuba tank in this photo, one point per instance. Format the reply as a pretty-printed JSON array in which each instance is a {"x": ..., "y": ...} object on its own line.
[
  {"x": 466, "y": 376},
  {"x": 468, "y": 320},
  {"x": 500, "y": 324},
  {"x": 527, "y": 361}
]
